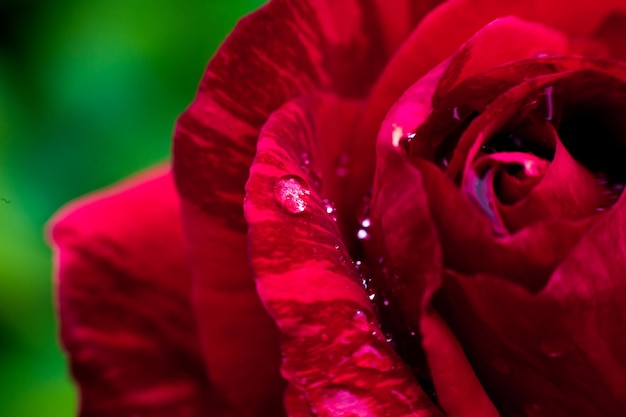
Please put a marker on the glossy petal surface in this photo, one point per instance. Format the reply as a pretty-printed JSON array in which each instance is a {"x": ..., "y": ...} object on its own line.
[
  {"x": 286, "y": 49},
  {"x": 335, "y": 355}
]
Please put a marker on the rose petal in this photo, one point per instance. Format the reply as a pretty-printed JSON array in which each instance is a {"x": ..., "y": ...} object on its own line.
[
  {"x": 516, "y": 96},
  {"x": 469, "y": 245},
  {"x": 511, "y": 38},
  {"x": 121, "y": 312},
  {"x": 249, "y": 78},
  {"x": 570, "y": 364},
  {"x": 444, "y": 30},
  {"x": 403, "y": 267},
  {"x": 459, "y": 391},
  {"x": 612, "y": 33},
  {"x": 334, "y": 353},
  {"x": 429, "y": 93},
  {"x": 514, "y": 186},
  {"x": 239, "y": 340},
  {"x": 284, "y": 50},
  {"x": 567, "y": 190}
]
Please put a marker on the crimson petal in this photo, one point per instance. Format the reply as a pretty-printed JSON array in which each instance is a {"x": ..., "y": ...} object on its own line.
[
  {"x": 286, "y": 49},
  {"x": 402, "y": 213},
  {"x": 571, "y": 364},
  {"x": 567, "y": 190},
  {"x": 126, "y": 320},
  {"x": 335, "y": 356}
]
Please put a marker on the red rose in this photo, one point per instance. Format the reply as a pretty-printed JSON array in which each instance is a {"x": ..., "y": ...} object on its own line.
[{"x": 483, "y": 275}]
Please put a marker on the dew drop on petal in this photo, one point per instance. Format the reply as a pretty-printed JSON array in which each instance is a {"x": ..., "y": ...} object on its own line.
[
  {"x": 292, "y": 193},
  {"x": 329, "y": 206},
  {"x": 405, "y": 143},
  {"x": 363, "y": 234},
  {"x": 330, "y": 209}
]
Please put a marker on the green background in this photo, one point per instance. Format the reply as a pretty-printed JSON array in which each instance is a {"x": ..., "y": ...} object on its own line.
[{"x": 89, "y": 93}]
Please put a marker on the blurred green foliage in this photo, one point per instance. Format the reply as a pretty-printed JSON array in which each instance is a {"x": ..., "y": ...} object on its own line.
[{"x": 89, "y": 93}]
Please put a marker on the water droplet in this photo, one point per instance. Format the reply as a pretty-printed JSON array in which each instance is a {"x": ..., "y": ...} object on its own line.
[
  {"x": 366, "y": 222},
  {"x": 292, "y": 193},
  {"x": 337, "y": 247},
  {"x": 372, "y": 297},
  {"x": 330, "y": 208},
  {"x": 406, "y": 141},
  {"x": 363, "y": 234},
  {"x": 386, "y": 302},
  {"x": 365, "y": 283},
  {"x": 358, "y": 265},
  {"x": 342, "y": 165}
]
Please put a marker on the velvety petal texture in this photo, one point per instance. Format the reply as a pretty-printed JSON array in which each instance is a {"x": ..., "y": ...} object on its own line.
[
  {"x": 336, "y": 358},
  {"x": 126, "y": 320},
  {"x": 477, "y": 147},
  {"x": 447, "y": 125},
  {"x": 286, "y": 49}
]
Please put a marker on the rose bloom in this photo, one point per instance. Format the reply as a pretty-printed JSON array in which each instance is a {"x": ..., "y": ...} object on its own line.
[{"x": 375, "y": 208}]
